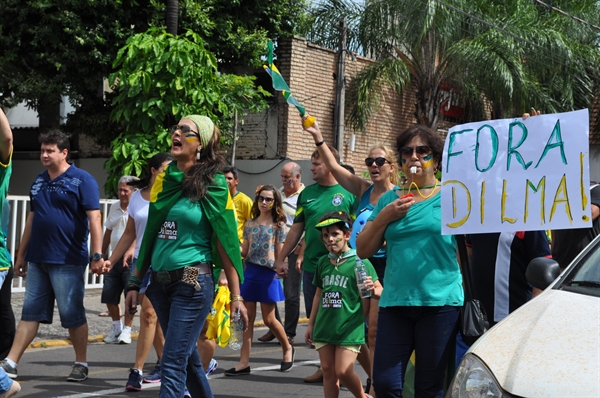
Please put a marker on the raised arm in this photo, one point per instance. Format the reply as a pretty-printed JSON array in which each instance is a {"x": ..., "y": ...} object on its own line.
[
  {"x": 354, "y": 184},
  {"x": 6, "y": 138}
]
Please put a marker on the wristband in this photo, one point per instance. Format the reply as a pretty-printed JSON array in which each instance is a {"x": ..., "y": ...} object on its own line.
[
  {"x": 237, "y": 298},
  {"x": 133, "y": 287},
  {"x": 134, "y": 282},
  {"x": 320, "y": 143}
]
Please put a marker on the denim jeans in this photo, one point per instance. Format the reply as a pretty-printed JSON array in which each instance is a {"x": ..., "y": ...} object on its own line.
[
  {"x": 5, "y": 382},
  {"x": 182, "y": 311},
  {"x": 430, "y": 331},
  {"x": 309, "y": 291},
  {"x": 45, "y": 282}
]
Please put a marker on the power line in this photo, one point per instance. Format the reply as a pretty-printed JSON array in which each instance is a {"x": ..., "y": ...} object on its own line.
[{"x": 558, "y": 10}]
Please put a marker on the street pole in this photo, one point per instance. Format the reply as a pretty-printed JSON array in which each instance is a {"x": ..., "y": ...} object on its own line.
[{"x": 338, "y": 123}]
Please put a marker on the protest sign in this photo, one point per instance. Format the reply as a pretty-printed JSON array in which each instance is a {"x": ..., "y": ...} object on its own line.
[{"x": 517, "y": 175}]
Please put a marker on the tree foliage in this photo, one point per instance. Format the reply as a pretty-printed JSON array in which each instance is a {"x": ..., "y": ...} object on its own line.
[
  {"x": 511, "y": 54},
  {"x": 160, "y": 79}
]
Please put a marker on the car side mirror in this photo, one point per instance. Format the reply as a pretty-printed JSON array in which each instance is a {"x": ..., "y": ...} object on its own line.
[{"x": 541, "y": 272}]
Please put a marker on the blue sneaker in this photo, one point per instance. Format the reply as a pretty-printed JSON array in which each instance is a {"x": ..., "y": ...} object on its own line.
[
  {"x": 154, "y": 376},
  {"x": 212, "y": 367},
  {"x": 135, "y": 381}
]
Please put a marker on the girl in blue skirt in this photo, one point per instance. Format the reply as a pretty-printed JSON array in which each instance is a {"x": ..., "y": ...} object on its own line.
[{"x": 264, "y": 235}]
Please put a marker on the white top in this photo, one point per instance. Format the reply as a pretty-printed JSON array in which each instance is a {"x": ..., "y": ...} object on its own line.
[
  {"x": 138, "y": 210},
  {"x": 116, "y": 222}
]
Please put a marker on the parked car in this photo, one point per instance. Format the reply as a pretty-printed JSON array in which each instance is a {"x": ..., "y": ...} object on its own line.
[{"x": 550, "y": 347}]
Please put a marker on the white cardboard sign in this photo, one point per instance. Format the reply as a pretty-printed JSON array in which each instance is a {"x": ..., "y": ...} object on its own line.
[{"x": 517, "y": 175}]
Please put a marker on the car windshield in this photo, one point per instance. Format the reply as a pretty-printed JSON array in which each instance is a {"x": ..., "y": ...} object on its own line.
[{"x": 587, "y": 272}]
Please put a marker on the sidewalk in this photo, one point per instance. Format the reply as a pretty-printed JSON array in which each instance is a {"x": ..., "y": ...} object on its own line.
[{"x": 55, "y": 335}]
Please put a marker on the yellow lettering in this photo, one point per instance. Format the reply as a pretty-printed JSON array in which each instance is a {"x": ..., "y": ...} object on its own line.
[
  {"x": 582, "y": 187},
  {"x": 540, "y": 186},
  {"x": 454, "y": 207},
  {"x": 562, "y": 187},
  {"x": 482, "y": 202},
  {"x": 503, "y": 206}
]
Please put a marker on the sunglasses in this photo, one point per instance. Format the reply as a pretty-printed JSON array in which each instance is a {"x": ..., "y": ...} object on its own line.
[
  {"x": 378, "y": 161},
  {"x": 421, "y": 150},
  {"x": 184, "y": 129},
  {"x": 267, "y": 200}
]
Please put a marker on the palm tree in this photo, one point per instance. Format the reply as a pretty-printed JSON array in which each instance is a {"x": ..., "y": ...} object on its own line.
[{"x": 509, "y": 54}]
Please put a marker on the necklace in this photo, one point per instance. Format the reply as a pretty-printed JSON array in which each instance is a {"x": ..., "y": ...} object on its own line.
[{"x": 410, "y": 188}]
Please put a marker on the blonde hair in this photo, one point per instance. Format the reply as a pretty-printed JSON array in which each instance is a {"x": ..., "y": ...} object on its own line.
[{"x": 391, "y": 157}]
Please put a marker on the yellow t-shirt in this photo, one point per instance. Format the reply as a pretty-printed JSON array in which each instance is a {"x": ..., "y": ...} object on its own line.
[{"x": 243, "y": 207}]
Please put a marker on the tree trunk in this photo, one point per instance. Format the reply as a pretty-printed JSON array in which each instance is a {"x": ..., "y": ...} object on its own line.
[{"x": 172, "y": 16}]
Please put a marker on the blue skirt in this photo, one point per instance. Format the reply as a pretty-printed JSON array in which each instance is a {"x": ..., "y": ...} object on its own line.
[{"x": 260, "y": 285}]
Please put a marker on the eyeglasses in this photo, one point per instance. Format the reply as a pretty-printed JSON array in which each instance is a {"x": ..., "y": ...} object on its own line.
[
  {"x": 421, "y": 150},
  {"x": 184, "y": 129},
  {"x": 267, "y": 200},
  {"x": 378, "y": 161}
]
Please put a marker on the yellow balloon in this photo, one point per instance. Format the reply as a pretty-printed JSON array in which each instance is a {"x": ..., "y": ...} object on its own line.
[{"x": 309, "y": 121}]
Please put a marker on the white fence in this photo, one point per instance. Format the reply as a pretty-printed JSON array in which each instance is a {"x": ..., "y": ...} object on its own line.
[{"x": 19, "y": 210}]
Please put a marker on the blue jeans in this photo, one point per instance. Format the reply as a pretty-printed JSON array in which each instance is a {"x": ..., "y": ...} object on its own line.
[
  {"x": 5, "y": 382},
  {"x": 309, "y": 291},
  {"x": 430, "y": 332},
  {"x": 45, "y": 282},
  {"x": 291, "y": 290},
  {"x": 181, "y": 311}
]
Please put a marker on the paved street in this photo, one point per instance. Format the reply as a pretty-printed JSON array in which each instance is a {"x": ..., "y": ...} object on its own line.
[{"x": 42, "y": 372}]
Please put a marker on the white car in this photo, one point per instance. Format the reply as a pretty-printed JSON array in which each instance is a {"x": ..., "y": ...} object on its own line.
[{"x": 550, "y": 347}]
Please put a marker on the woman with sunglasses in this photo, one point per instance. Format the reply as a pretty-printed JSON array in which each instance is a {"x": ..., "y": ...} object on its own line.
[
  {"x": 190, "y": 212},
  {"x": 384, "y": 176},
  {"x": 423, "y": 293},
  {"x": 264, "y": 236}
]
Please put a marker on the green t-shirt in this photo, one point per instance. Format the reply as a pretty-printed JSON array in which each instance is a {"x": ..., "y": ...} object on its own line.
[
  {"x": 5, "y": 172},
  {"x": 340, "y": 320},
  {"x": 314, "y": 201},
  {"x": 184, "y": 238},
  {"x": 422, "y": 269}
]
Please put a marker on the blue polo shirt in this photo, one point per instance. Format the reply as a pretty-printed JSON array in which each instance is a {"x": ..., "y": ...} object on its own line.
[{"x": 60, "y": 228}]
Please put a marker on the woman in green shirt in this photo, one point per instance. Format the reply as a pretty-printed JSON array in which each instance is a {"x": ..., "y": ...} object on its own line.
[
  {"x": 420, "y": 303},
  {"x": 191, "y": 226}
]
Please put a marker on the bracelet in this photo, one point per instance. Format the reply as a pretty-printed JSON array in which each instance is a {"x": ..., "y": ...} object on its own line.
[
  {"x": 236, "y": 298},
  {"x": 320, "y": 143},
  {"x": 133, "y": 287},
  {"x": 135, "y": 281}
]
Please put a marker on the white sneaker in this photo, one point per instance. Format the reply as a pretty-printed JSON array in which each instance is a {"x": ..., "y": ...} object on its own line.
[
  {"x": 113, "y": 336},
  {"x": 125, "y": 336}
]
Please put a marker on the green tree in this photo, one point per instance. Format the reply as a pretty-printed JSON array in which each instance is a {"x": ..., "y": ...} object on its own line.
[
  {"x": 160, "y": 79},
  {"x": 511, "y": 54}
]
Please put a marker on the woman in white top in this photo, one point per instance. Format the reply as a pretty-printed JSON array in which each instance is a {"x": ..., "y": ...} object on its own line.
[{"x": 150, "y": 331}]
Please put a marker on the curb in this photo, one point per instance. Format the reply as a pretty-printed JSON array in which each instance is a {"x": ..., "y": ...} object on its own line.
[{"x": 99, "y": 338}]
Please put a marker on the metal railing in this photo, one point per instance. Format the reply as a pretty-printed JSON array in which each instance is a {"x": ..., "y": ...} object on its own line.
[{"x": 19, "y": 210}]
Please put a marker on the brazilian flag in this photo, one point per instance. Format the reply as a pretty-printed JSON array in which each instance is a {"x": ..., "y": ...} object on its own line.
[{"x": 217, "y": 205}]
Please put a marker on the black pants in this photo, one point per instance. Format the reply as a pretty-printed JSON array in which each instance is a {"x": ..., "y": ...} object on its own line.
[{"x": 7, "y": 316}]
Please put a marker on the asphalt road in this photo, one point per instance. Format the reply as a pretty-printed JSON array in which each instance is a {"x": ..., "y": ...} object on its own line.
[{"x": 42, "y": 372}]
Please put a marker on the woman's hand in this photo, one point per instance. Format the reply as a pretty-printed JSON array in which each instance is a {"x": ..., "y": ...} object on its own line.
[
  {"x": 131, "y": 301},
  {"x": 239, "y": 306},
  {"x": 308, "y": 335},
  {"x": 397, "y": 209}
]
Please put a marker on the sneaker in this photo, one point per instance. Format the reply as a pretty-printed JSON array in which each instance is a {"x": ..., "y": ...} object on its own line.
[
  {"x": 10, "y": 371},
  {"x": 14, "y": 390},
  {"x": 212, "y": 367},
  {"x": 113, "y": 336},
  {"x": 154, "y": 376},
  {"x": 125, "y": 336},
  {"x": 187, "y": 393},
  {"x": 135, "y": 381},
  {"x": 79, "y": 373}
]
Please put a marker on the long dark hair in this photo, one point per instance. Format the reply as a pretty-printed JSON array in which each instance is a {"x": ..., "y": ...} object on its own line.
[
  {"x": 153, "y": 163},
  {"x": 201, "y": 175},
  {"x": 277, "y": 211}
]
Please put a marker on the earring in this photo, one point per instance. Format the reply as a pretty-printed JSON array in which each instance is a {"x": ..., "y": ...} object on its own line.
[{"x": 198, "y": 155}]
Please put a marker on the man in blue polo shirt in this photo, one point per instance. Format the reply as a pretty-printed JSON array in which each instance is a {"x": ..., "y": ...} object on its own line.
[{"x": 54, "y": 243}]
